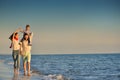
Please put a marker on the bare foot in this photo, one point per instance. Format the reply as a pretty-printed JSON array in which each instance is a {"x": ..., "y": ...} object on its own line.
[
  {"x": 15, "y": 71},
  {"x": 29, "y": 74},
  {"x": 25, "y": 74},
  {"x": 18, "y": 72}
]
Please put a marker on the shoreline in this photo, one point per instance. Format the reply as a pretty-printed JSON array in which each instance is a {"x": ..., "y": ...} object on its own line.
[{"x": 6, "y": 73}]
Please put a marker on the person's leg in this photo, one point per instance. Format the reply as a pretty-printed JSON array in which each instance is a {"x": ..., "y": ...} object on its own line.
[
  {"x": 15, "y": 61},
  {"x": 16, "y": 57},
  {"x": 24, "y": 64},
  {"x": 22, "y": 39},
  {"x": 31, "y": 36},
  {"x": 29, "y": 60},
  {"x": 28, "y": 68},
  {"x": 18, "y": 63},
  {"x": 29, "y": 42}
]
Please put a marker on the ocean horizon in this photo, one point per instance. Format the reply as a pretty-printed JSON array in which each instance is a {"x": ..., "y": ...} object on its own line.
[{"x": 66, "y": 53}]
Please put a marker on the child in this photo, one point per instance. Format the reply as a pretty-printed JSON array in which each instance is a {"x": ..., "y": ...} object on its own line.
[
  {"x": 26, "y": 49},
  {"x": 15, "y": 53},
  {"x": 27, "y": 31}
]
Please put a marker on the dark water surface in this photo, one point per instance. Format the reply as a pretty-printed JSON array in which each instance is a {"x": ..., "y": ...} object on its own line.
[{"x": 75, "y": 66}]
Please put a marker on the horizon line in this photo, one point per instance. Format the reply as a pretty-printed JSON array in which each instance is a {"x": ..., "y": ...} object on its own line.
[{"x": 69, "y": 53}]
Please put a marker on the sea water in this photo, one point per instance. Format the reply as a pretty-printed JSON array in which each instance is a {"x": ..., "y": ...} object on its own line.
[{"x": 73, "y": 66}]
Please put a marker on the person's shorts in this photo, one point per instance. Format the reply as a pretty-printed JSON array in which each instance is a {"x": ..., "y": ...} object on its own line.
[{"x": 27, "y": 57}]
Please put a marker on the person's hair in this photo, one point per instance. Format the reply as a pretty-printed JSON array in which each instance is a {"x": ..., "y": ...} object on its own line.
[
  {"x": 16, "y": 33},
  {"x": 27, "y": 25},
  {"x": 24, "y": 36},
  {"x": 11, "y": 36}
]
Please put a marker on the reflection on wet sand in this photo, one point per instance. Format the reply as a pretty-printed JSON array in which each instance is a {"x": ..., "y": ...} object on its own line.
[{"x": 21, "y": 77}]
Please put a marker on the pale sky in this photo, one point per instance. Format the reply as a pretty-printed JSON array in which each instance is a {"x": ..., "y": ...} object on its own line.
[{"x": 63, "y": 26}]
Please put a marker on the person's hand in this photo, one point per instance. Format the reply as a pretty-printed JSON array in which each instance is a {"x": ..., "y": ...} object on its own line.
[
  {"x": 20, "y": 43},
  {"x": 19, "y": 29}
]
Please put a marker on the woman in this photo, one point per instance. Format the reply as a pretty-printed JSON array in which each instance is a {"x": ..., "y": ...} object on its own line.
[
  {"x": 26, "y": 53},
  {"x": 15, "y": 52}
]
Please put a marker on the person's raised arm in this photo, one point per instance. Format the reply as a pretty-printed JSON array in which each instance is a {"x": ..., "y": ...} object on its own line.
[
  {"x": 21, "y": 30},
  {"x": 14, "y": 34}
]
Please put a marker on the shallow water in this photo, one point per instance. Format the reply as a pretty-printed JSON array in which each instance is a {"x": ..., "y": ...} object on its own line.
[{"x": 74, "y": 66}]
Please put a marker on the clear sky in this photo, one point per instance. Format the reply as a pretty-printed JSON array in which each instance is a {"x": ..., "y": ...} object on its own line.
[{"x": 63, "y": 26}]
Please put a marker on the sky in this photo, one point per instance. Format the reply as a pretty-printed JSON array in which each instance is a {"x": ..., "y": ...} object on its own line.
[{"x": 63, "y": 26}]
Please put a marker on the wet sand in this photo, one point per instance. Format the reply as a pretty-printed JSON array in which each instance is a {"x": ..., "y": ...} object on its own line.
[{"x": 6, "y": 73}]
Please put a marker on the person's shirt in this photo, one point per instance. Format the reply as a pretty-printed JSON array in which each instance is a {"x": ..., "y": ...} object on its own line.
[
  {"x": 15, "y": 43},
  {"x": 25, "y": 47}
]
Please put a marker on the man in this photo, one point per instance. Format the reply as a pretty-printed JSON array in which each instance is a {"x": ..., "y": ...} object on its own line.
[{"x": 25, "y": 48}]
